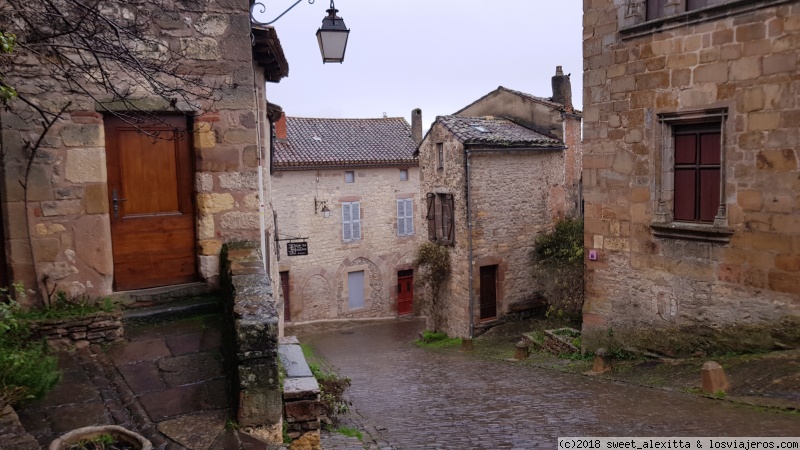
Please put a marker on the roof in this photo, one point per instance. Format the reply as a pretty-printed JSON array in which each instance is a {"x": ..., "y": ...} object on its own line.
[
  {"x": 314, "y": 143},
  {"x": 547, "y": 101},
  {"x": 268, "y": 53},
  {"x": 496, "y": 132}
]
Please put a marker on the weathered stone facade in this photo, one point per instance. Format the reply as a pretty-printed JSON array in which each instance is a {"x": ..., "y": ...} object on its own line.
[
  {"x": 318, "y": 281},
  {"x": 517, "y": 190},
  {"x": 732, "y": 66},
  {"x": 67, "y": 218}
]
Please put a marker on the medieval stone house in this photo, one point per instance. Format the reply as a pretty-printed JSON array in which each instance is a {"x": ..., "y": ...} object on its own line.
[
  {"x": 691, "y": 173},
  {"x": 116, "y": 204},
  {"x": 493, "y": 176},
  {"x": 346, "y": 194}
]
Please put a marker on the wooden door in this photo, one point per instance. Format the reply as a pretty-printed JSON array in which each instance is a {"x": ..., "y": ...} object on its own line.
[
  {"x": 150, "y": 197},
  {"x": 405, "y": 292},
  {"x": 488, "y": 292},
  {"x": 287, "y": 311},
  {"x": 3, "y": 259},
  {"x": 355, "y": 290}
]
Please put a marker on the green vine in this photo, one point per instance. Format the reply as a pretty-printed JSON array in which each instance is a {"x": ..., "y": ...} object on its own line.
[{"x": 432, "y": 264}]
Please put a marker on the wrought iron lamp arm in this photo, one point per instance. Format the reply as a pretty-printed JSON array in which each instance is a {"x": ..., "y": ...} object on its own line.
[{"x": 263, "y": 8}]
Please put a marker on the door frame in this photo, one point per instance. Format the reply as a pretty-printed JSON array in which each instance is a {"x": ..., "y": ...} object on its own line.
[{"x": 495, "y": 268}]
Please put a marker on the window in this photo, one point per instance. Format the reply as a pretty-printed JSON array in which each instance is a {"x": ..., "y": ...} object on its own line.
[
  {"x": 662, "y": 8},
  {"x": 697, "y": 172},
  {"x": 439, "y": 155},
  {"x": 403, "y": 174},
  {"x": 405, "y": 217},
  {"x": 440, "y": 218},
  {"x": 351, "y": 221},
  {"x": 349, "y": 176},
  {"x": 690, "y": 187}
]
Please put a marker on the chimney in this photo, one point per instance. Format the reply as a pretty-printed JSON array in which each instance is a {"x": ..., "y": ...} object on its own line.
[
  {"x": 416, "y": 125},
  {"x": 562, "y": 89},
  {"x": 280, "y": 128}
]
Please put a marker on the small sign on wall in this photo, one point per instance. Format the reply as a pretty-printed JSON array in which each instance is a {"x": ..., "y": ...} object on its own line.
[{"x": 297, "y": 248}]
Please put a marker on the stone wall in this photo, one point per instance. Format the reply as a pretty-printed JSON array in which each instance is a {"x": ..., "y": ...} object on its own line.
[
  {"x": 317, "y": 282},
  {"x": 515, "y": 195},
  {"x": 98, "y": 328},
  {"x": 301, "y": 396},
  {"x": 739, "y": 61},
  {"x": 253, "y": 334},
  {"x": 68, "y": 210}
]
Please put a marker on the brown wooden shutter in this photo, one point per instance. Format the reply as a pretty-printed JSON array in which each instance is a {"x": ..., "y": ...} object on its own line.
[
  {"x": 449, "y": 226},
  {"x": 431, "y": 216}
]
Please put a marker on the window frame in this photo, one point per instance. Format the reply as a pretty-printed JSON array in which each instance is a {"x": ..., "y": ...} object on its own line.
[
  {"x": 407, "y": 218},
  {"x": 440, "y": 156},
  {"x": 352, "y": 176},
  {"x": 664, "y": 223},
  {"x": 348, "y": 224},
  {"x": 441, "y": 217},
  {"x": 403, "y": 172}
]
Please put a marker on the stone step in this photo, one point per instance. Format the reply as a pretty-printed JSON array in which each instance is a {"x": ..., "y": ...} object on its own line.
[{"x": 173, "y": 310}]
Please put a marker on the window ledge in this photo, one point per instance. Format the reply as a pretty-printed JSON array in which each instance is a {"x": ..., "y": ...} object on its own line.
[
  {"x": 692, "y": 17},
  {"x": 690, "y": 231}
]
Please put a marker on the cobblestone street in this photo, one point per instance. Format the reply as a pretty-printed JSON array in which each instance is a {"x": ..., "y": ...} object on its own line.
[{"x": 406, "y": 397}]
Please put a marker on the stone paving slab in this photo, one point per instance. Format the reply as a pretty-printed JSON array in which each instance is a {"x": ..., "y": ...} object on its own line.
[
  {"x": 191, "y": 368},
  {"x": 181, "y": 400},
  {"x": 136, "y": 351},
  {"x": 142, "y": 377}
]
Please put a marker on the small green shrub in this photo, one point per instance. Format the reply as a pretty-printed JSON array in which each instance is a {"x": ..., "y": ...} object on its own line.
[
  {"x": 436, "y": 339},
  {"x": 27, "y": 370},
  {"x": 432, "y": 264},
  {"x": 63, "y": 306},
  {"x": 332, "y": 388},
  {"x": 350, "y": 432},
  {"x": 557, "y": 266}
]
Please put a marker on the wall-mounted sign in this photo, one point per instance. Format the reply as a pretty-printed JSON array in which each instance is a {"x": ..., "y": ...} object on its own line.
[{"x": 297, "y": 248}]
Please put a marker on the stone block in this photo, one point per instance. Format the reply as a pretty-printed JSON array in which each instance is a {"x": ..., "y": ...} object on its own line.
[
  {"x": 777, "y": 160},
  {"x": 240, "y": 220},
  {"x": 601, "y": 362},
  {"x": 239, "y": 181},
  {"x": 209, "y": 266},
  {"x": 83, "y": 135},
  {"x": 713, "y": 378},
  {"x": 262, "y": 376},
  {"x": 257, "y": 337},
  {"x": 96, "y": 198},
  {"x": 745, "y": 69},
  {"x": 294, "y": 363},
  {"x": 39, "y": 184},
  {"x": 210, "y": 247},
  {"x": 259, "y": 407},
  {"x": 46, "y": 250},
  {"x": 305, "y": 388},
  {"x": 240, "y": 137},
  {"x": 61, "y": 208},
  {"x": 250, "y": 156},
  {"x": 203, "y": 49},
  {"x": 214, "y": 203},
  {"x": 212, "y": 24},
  {"x": 93, "y": 242},
  {"x": 788, "y": 262},
  {"x": 749, "y": 200},
  {"x": 205, "y": 226},
  {"x": 204, "y": 135},
  {"x": 86, "y": 165},
  {"x": 780, "y": 63},
  {"x": 711, "y": 73},
  {"x": 302, "y": 411}
]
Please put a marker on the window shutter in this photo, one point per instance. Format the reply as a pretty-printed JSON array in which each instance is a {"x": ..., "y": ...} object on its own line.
[
  {"x": 401, "y": 217},
  {"x": 355, "y": 211},
  {"x": 450, "y": 219},
  {"x": 431, "y": 216},
  {"x": 409, "y": 217},
  {"x": 347, "y": 232}
]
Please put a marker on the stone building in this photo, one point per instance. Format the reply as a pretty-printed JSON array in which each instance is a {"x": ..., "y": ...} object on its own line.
[
  {"x": 109, "y": 208},
  {"x": 690, "y": 168},
  {"x": 349, "y": 190},
  {"x": 493, "y": 176}
]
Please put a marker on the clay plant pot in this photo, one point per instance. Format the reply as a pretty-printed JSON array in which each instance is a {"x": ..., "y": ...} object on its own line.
[{"x": 120, "y": 434}]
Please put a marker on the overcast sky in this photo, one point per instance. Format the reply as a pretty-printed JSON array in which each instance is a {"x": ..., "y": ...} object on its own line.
[{"x": 438, "y": 55}]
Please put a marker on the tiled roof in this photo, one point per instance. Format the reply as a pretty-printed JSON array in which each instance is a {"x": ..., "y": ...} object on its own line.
[
  {"x": 496, "y": 132},
  {"x": 545, "y": 100},
  {"x": 352, "y": 142}
]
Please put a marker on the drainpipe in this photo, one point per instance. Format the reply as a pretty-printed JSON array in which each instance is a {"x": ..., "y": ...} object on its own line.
[
  {"x": 469, "y": 238},
  {"x": 261, "y": 200}
]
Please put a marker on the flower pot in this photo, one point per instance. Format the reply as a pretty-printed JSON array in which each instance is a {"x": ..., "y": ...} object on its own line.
[{"x": 88, "y": 433}]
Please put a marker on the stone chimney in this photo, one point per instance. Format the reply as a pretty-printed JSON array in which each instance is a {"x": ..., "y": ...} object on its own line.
[
  {"x": 280, "y": 129},
  {"x": 562, "y": 89},
  {"x": 416, "y": 125}
]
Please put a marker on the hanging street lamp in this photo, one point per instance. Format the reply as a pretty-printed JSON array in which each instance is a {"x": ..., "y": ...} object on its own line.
[{"x": 332, "y": 35}]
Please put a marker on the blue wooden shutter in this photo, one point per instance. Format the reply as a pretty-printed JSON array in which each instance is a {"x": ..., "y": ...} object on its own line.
[
  {"x": 355, "y": 217},
  {"x": 401, "y": 217},
  {"x": 347, "y": 226}
]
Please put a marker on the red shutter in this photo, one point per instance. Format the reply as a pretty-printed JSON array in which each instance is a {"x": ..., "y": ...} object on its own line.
[
  {"x": 685, "y": 194},
  {"x": 709, "y": 194}
]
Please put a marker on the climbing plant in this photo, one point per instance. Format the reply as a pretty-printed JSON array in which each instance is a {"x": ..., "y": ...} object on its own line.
[
  {"x": 432, "y": 264},
  {"x": 557, "y": 266}
]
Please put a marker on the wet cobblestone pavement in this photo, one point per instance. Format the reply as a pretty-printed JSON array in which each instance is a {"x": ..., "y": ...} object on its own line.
[{"x": 411, "y": 398}]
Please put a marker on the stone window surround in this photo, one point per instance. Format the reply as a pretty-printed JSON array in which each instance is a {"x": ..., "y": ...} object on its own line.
[
  {"x": 633, "y": 24},
  {"x": 403, "y": 174},
  {"x": 346, "y": 294},
  {"x": 663, "y": 224},
  {"x": 440, "y": 156},
  {"x": 349, "y": 176}
]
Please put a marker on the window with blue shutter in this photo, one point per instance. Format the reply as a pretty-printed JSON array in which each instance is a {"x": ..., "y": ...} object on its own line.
[
  {"x": 405, "y": 217},
  {"x": 351, "y": 221}
]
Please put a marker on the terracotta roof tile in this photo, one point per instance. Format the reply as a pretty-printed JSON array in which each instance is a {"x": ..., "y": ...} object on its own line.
[
  {"x": 497, "y": 132},
  {"x": 351, "y": 142}
]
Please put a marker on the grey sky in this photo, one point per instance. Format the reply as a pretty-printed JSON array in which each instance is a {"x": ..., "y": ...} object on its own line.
[{"x": 438, "y": 55}]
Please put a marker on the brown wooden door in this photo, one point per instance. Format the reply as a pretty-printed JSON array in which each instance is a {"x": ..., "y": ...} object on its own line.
[
  {"x": 287, "y": 310},
  {"x": 405, "y": 292},
  {"x": 488, "y": 292},
  {"x": 150, "y": 196}
]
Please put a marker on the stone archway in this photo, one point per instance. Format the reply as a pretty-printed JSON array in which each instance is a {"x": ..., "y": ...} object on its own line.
[{"x": 317, "y": 299}]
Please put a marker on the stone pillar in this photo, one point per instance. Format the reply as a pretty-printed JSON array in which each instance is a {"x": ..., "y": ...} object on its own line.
[
  {"x": 416, "y": 125},
  {"x": 602, "y": 362},
  {"x": 713, "y": 378}
]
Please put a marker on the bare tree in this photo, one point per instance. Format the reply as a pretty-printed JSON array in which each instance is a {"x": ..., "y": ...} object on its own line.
[{"x": 99, "y": 51}]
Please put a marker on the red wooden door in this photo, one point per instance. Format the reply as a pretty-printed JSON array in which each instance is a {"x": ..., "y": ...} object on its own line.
[
  {"x": 150, "y": 196},
  {"x": 287, "y": 311},
  {"x": 405, "y": 292},
  {"x": 488, "y": 292}
]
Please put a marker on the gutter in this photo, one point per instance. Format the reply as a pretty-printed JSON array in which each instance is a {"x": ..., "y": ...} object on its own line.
[{"x": 469, "y": 238}]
